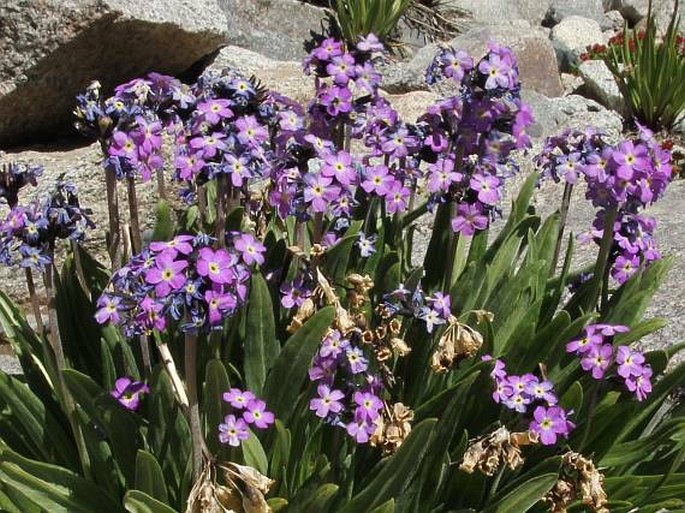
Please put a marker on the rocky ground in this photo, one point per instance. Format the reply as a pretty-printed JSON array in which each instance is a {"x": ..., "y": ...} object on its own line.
[{"x": 264, "y": 38}]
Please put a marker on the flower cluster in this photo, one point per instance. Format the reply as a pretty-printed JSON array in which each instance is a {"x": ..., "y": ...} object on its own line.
[
  {"x": 224, "y": 133},
  {"x": 130, "y": 124},
  {"x": 434, "y": 309},
  {"x": 15, "y": 176},
  {"x": 627, "y": 176},
  {"x": 185, "y": 279},
  {"x": 520, "y": 393},
  {"x": 597, "y": 354},
  {"x": 29, "y": 232},
  {"x": 342, "y": 78},
  {"x": 348, "y": 395},
  {"x": 248, "y": 411},
  {"x": 128, "y": 392},
  {"x": 468, "y": 139}
]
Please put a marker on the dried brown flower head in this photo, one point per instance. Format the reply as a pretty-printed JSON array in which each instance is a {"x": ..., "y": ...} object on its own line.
[
  {"x": 579, "y": 480},
  {"x": 243, "y": 491},
  {"x": 489, "y": 452},
  {"x": 393, "y": 428},
  {"x": 457, "y": 343}
]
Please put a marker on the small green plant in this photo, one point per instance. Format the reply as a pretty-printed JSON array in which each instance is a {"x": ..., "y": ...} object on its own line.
[
  {"x": 357, "y": 18},
  {"x": 650, "y": 72}
]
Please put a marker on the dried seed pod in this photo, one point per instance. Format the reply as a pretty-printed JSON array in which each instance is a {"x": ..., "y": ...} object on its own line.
[
  {"x": 393, "y": 428},
  {"x": 579, "y": 479},
  {"x": 395, "y": 326},
  {"x": 400, "y": 346},
  {"x": 488, "y": 453},
  {"x": 457, "y": 343}
]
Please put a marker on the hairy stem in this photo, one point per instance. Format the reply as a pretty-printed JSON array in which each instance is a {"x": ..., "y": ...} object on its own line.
[
  {"x": 161, "y": 184},
  {"x": 565, "y": 202},
  {"x": 145, "y": 354},
  {"x": 601, "y": 266},
  {"x": 193, "y": 406},
  {"x": 451, "y": 252},
  {"x": 136, "y": 240},
  {"x": 35, "y": 304},
  {"x": 114, "y": 243},
  {"x": 220, "y": 223},
  {"x": 170, "y": 367}
]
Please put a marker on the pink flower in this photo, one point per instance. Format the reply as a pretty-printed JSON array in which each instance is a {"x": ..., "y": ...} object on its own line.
[{"x": 257, "y": 414}]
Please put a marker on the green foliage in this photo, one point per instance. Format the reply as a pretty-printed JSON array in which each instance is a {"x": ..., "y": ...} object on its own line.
[
  {"x": 650, "y": 72},
  {"x": 356, "y": 18}
]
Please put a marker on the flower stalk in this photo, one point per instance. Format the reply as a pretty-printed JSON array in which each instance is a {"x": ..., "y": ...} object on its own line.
[
  {"x": 35, "y": 303},
  {"x": 136, "y": 240},
  {"x": 114, "y": 243},
  {"x": 198, "y": 442}
]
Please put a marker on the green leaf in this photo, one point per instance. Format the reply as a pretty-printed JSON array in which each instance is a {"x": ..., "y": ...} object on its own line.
[
  {"x": 289, "y": 371},
  {"x": 215, "y": 408},
  {"x": 397, "y": 472},
  {"x": 254, "y": 454},
  {"x": 149, "y": 476},
  {"x": 525, "y": 496},
  {"x": 53, "y": 488},
  {"x": 164, "y": 222},
  {"x": 261, "y": 346},
  {"x": 29, "y": 420},
  {"x": 387, "y": 507},
  {"x": 136, "y": 501},
  {"x": 319, "y": 499}
]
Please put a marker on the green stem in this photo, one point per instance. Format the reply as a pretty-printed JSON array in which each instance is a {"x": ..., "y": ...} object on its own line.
[
  {"x": 220, "y": 223},
  {"x": 317, "y": 234},
  {"x": 78, "y": 264},
  {"x": 161, "y": 184}
]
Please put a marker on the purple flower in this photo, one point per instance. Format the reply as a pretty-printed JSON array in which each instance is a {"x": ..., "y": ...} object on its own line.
[
  {"x": 238, "y": 399},
  {"x": 257, "y": 414},
  {"x": 341, "y": 68},
  {"x": 215, "y": 110},
  {"x": 356, "y": 360},
  {"x": 486, "y": 187},
  {"x": 597, "y": 360},
  {"x": 233, "y": 431},
  {"x": 366, "y": 245},
  {"x": 128, "y": 391},
  {"x": 592, "y": 337},
  {"x": 337, "y": 100},
  {"x": 108, "y": 309},
  {"x": 215, "y": 265},
  {"x": 339, "y": 165},
  {"x": 378, "y": 180},
  {"x": 496, "y": 71},
  {"x": 320, "y": 192},
  {"x": 293, "y": 294},
  {"x": 641, "y": 385},
  {"x": 469, "y": 219},
  {"x": 397, "y": 198},
  {"x": 361, "y": 430},
  {"x": 328, "y": 401},
  {"x": 251, "y": 250},
  {"x": 629, "y": 158},
  {"x": 250, "y": 131},
  {"x": 624, "y": 268},
  {"x": 503, "y": 391},
  {"x": 167, "y": 275},
  {"x": 630, "y": 363},
  {"x": 181, "y": 244},
  {"x": 549, "y": 423},
  {"x": 333, "y": 345},
  {"x": 431, "y": 317},
  {"x": 328, "y": 49},
  {"x": 218, "y": 304},
  {"x": 543, "y": 390},
  {"x": 368, "y": 406}
]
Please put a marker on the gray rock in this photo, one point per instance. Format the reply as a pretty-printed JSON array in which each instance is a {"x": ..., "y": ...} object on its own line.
[
  {"x": 286, "y": 77},
  {"x": 600, "y": 85},
  {"x": 501, "y": 11},
  {"x": 633, "y": 10},
  {"x": 560, "y": 9},
  {"x": 572, "y": 36},
  {"x": 277, "y": 28},
  {"x": 536, "y": 58},
  {"x": 52, "y": 49},
  {"x": 612, "y": 21},
  {"x": 9, "y": 364},
  {"x": 575, "y": 111}
]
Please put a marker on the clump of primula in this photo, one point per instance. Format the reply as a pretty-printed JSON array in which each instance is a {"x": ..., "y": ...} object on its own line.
[
  {"x": 599, "y": 357},
  {"x": 528, "y": 392},
  {"x": 468, "y": 139},
  {"x": 128, "y": 392},
  {"x": 627, "y": 176},
  {"x": 29, "y": 232},
  {"x": 249, "y": 411},
  {"x": 185, "y": 279}
]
